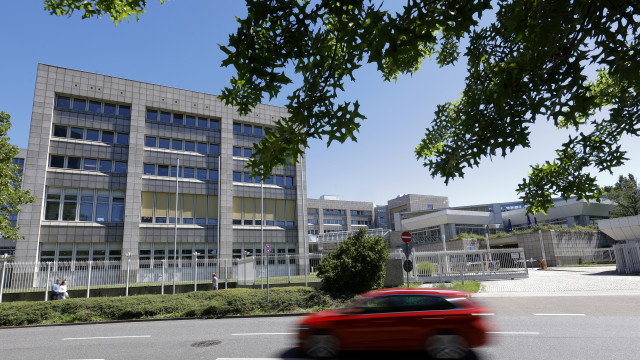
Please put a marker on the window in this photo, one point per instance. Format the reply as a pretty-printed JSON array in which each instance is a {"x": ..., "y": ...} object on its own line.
[
  {"x": 201, "y": 174},
  {"x": 165, "y": 116},
  {"x": 214, "y": 124},
  {"x": 203, "y": 122},
  {"x": 163, "y": 143},
  {"x": 237, "y": 127},
  {"x": 237, "y": 151},
  {"x": 122, "y": 139},
  {"x": 202, "y": 148},
  {"x": 76, "y": 133},
  {"x": 90, "y": 164},
  {"x": 59, "y": 131},
  {"x": 93, "y": 135},
  {"x": 63, "y": 102},
  {"x": 189, "y": 146},
  {"x": 173, "y": 171},
  {"x": 189, "y": 173},
  {"x": 152, "y": 115},
  {"x": 163, "y": 170},
  {"x": 73, "y": 162},
  {"x": 110, "y": 109},
  {"x": 257, "y": 130},
  {"x": 150, "y": 141},
  {"x": 247, "y": 152},
  {"x": 57, "y": 161},
  {"x": 247, "y": 178},
  {"x": 124, "y": 111},
  {"x": 121, "y": 167},
  {"x": 86, "y": 207},
  {"x": 102, "y": 209},
  {"x": 105, "y": 165},
  {"x": 176, "y": 144},
  {"x": 279, "y": 180},
  {"x": 117, "y": 209},
  {"x": 149, "y": 169},
  {"x": 247, "y": 129},
  {"x": 237, "y": 176},
  {"x": 268, "y": 180},
  {"x": 213, "y": 175},
  {"x": 53, "y": 206},
  {"x": 95, "y": 106},
  {"x": 69, "y": 206},
  {"x": 288, "y": 181},
  {"x": 214, "y": 149},
  {"x": 79, "y": 104},
  {"x": 107, "y": 137},
  {"x": 190, "y": 121},
  {"x": 178, "y": 119}
]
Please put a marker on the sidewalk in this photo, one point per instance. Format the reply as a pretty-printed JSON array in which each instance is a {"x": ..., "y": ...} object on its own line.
[{"x": 565, "y": 281}]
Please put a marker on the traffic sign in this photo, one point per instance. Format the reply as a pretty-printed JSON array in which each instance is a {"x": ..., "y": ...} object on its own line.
[
  {"x": 268, "y": 248},
  {"x": 407, "y": 265},
  {"x": 406, "y": 237},
  {"x": 406, "y": 248}
]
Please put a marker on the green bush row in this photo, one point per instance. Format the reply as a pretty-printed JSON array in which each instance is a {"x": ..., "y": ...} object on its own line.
[{"x": 195, "y": 304}]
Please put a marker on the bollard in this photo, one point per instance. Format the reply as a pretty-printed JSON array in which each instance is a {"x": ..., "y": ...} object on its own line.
[
  {"x": 195, "y": 275},
  {"x": 162, "y": 289},
  {"x": 89, "y": 278},
  {"x": 46, "y": 286},
  {"x": 288, "y": 268},
  {"x": 462, "y": 276}
]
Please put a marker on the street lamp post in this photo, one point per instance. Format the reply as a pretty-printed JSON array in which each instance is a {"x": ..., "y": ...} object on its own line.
[
  {"x": 175, "y": 230},
  {"x": 195, "y": 271}
]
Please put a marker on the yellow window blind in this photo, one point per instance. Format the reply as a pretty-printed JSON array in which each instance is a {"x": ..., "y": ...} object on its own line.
[
  {"x": 201, "y": 206},
  {"x": 237, "y": 208},
  {"x": 213, "y": 207},
  {"x": 172, "y": 205},
  {"x": 279, "y": 210},
  {"x": 269, "y": 209},
  {"x": 187, "y": 206},
  {"x": 249, "y": 208},
  {"x": 161, "y": 204},
  {"x": 291, "y": 210},
  {"x": 147, "y": 203}
]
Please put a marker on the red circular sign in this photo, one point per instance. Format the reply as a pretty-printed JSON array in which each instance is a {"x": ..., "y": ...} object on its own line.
[{"x": 406, "y": 237}]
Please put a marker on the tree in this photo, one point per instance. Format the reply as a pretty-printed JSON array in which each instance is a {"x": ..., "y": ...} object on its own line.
[
  {"x": 626, "y": 194},
  {"x": 11, "y": 196},
  {"x": 531, "y": 63},
  {"x": 357, "y": 265}
]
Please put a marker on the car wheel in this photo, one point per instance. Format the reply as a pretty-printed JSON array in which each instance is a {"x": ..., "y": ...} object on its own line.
[
  {"x": 447, "y": 346},
  {"x": 322, "y": 345}
]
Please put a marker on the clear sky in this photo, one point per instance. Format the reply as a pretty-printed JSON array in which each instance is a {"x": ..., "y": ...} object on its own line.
[{"x": 176, "y": 45}]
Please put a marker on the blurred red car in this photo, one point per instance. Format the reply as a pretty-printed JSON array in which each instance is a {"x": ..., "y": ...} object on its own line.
[{"x": 445, "y": 323}]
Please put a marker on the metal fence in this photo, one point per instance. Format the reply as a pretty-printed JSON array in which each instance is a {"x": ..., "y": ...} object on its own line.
[
  {"x": 20, "y": 277},
  {"x": 442, "y": 266},
  {"x": 628, "y": 257}
]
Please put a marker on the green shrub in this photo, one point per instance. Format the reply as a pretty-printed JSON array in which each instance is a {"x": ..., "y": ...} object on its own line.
[
  {"x": 357, "y": 265},
  {"x": 425, "y": 268}
]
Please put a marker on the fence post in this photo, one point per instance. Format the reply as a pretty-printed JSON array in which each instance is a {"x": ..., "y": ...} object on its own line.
[
  {"x": 162, "y": 288},
  {"x": 286, "y": 257},
  {"x": 46, "y": 286},
  {"x": 195, "y": 273},
  {"x": 128, "y": 263},
  {"x": 225, "y": 272},
  {"x": 4, "y": 265},
  {"x": 89, "y": 278},
  {"x": 306, "y": 268}
]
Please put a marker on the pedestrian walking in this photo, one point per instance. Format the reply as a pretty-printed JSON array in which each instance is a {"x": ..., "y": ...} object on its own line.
[
  {"x": 62, "y": 290},
  {"x": 55, "y": 290},
  {"x": 214, "y": 281}
]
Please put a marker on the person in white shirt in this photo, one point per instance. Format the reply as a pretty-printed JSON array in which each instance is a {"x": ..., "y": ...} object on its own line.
[
  {"x": 63, "y": 290},
  {"x": 214, "y": 281}
]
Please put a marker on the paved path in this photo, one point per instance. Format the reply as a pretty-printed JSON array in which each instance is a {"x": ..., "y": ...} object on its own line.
[{"x": 565, "y": 281}]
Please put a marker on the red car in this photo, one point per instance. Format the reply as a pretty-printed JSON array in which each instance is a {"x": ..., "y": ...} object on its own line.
[{"x": 445, "y": 323}]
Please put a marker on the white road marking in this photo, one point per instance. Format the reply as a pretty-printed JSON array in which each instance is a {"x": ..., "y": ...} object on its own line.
[
  {"x": 256, "y": 334},
  {"x": 514, "y": 332},
  {"x": 109, "y": 337},
  {"x": 559, "y": 314},
  {"x": 483, "y": 314}
]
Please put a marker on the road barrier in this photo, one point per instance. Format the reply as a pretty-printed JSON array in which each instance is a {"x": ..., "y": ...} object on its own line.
[{"x": 627, "y": 257}]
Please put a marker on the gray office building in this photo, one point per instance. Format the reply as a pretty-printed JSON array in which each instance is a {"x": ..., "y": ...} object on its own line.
[
  {"x": 412, "y": 202},
  {"x": 330, "y": 214},
  {"x": 103, "y": 158}
]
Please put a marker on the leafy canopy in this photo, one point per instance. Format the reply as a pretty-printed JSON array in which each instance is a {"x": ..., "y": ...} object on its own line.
[
  {"x": 529, "y": 64},
  {"x": 11, "y": 196},
  {"x": 357, "y": 265},
  {"x": 626, "y": 194}
]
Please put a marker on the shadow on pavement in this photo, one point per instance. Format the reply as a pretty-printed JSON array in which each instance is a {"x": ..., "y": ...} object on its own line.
[{"x": 377, "y": 355}]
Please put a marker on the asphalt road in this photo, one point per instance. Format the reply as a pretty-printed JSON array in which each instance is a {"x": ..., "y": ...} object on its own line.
[{"x": 601, "y": 327}]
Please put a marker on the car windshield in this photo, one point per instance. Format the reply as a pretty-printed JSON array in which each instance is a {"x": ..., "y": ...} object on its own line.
[{"x": 358, "y": 302}]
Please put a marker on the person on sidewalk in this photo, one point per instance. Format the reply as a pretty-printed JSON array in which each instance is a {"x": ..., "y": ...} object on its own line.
[
  {"x": 63, "y": 290},
  {"x": 214, "y": 281},
  {"x": 55, "y": 290}
]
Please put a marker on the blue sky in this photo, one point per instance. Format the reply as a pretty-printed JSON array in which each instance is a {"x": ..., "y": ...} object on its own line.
[{"x": 176, "y": 45}]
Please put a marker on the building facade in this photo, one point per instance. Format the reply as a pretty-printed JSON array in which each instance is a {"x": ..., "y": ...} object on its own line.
[
  {"x": 412, "y": 202},
  {"x": 329, "y": 214},
  {"x": 107, "y": 156}
]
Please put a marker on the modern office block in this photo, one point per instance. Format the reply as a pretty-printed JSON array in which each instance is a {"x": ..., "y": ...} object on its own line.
[
  {"x": 412, "y": 202},
  {"x": 106, "y": 155},
  {"x": 329, "y": 214}
]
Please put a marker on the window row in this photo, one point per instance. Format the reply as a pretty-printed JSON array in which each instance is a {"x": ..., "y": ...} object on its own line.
[
  {"x": 84, "y": 205},
  {"x": 78, "y": 163},
  {"x": 62, "y": 252},
  {"x": 313, "y": 221},
  {"x": 360, "y": 222},
  {"x": 333, "y": 212},
  {"x": 93, "y": 106},
  {"x": 334, "y": 222},
  {"x": 107, "y": 137},
  {"x": 185, "y": 172},
  {"x": 360, "y": 213},
  {"x": 277, "y": 212},
  {"x": 182, "y": 119},
  {"x": 157, "y": 252},
  {"x": 277, "y": 255},
  {"x": 271, "y": 180},
  {"x": 247, "y": 129},
  {"x": 175, "y": 144},
  {"x": 160, "y": 208},
  {"x": 242, "y": 152},
  {"x": 313, "y": 232}
]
